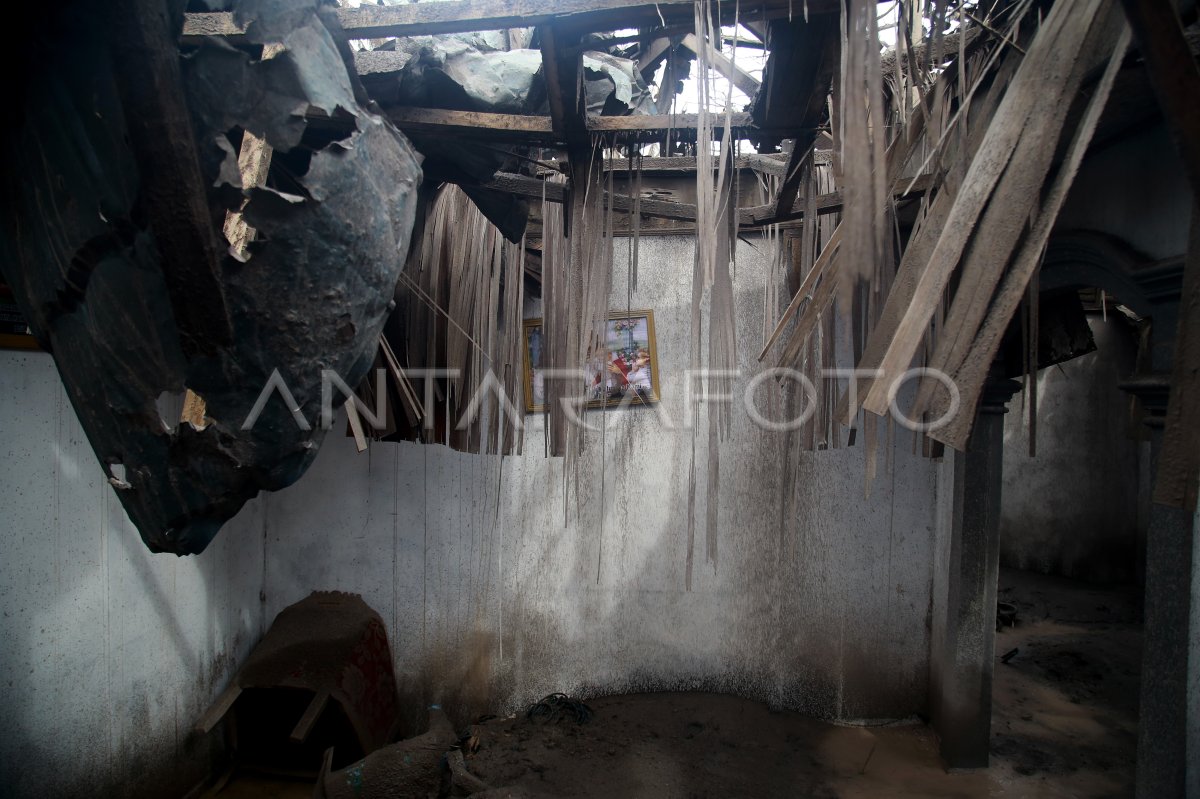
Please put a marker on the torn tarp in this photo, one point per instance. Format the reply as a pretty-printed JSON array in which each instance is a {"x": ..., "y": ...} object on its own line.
[
  {"x": 89, "y": 270},
  {"x": 614, "y": 86}
]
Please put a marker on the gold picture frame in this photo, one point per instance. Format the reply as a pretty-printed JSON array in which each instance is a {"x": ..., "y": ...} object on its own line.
[{"x": 630, "y": 360}]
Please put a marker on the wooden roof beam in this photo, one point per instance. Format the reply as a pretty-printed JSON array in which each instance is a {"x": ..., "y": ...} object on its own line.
[
  {"x": 540, "y": 129},
  {"x": 475, "y": 124},
  {"x": 743, "y": 80},
  {"x": 795, "y": 90},
  {"x": 660, "y": 123},
  {"x": 749, "y": 217},
  {"x": 759, "y": 215},
  {"x": 461, "y": 16},
  {"x": 562, "y": 66}
]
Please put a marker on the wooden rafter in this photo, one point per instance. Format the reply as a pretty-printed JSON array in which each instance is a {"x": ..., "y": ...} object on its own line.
[
  {"x": 652, "y": 54},
  {"x": 832, "y": 202},
  {"x": 796, "y": 85},
  {"x": 563, "y": 68},
  {"x": 475, "y": 123},
  {"x": 173, "y": 189},
  {"x": 540, "y": 129},
  {"x": 743, "y": 80},
  {"x": 656, "y": 123},
  {"x": 748, "y": 218},
  {"x": 460, "y": 16}
]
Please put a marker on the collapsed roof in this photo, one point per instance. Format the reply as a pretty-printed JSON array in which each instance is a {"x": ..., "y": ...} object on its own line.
[{"x": 298, "y": 129}]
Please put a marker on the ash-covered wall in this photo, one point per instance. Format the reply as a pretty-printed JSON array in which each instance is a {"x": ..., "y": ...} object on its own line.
[
  {"x": 110, "y": 653},
  {"x": 819, "y": 602},
  {"x": 1075, "y": 508}
]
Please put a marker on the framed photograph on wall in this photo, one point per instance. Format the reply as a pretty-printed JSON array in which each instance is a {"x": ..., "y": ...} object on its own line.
[
  {"x": 14, "y": 332},
  {"x": 625, "y": 370}
]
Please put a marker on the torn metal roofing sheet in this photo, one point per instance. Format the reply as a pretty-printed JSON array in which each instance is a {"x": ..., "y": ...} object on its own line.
[{"x": 311, "y": 293}]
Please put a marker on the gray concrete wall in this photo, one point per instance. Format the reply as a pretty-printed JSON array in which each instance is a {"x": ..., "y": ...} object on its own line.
[
  {"x": 494, "y": 595},
  {"x": 109, "y": 653},
  {"x": 1073, "y": 509},
  {"x": 822, "y": 608},
  {"x": 1134, "y": 190}
]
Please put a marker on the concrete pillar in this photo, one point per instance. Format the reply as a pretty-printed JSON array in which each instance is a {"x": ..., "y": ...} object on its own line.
[
  {"x": 1193, "y": 675},
  {"x": 964, "y": 651},
  {"x": 1163, "y": 720}
]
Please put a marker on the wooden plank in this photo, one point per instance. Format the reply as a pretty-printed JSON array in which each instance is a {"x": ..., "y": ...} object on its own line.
[
  {"x": 1056, "y": 46},
  {"x": 563, "y": 67},
  {"x": 1006, "y": 215},
  {"x": 472, "y": 123},
  {"x": 525, "y": 186},
  {"x": 971, "y": 373},
  {"x": 662, "y": 209},
  {"x": 771, "y": 164},
  {"x": 173, "y": 190},
  {"x": 822, "y": 295},
  {"x": 805, "y": 291},
  {"x": 212, "y": 717},
  {"x": 652, "y": 54},
  {"x": 675, "y": 165},
  {"x": 803, "y": 55},
  {"x": 832, "y": 202},
  {"x": 743, "y": 80},
  {"x": 768, "y": 164},
  {"x": 316, "y": 706},
  {"x": 518, "y": 127},
  {"x": 460, "y": 16},
  {"x": 414, "y": 410},
  {"x": 796, "y": 82},
  {"x": 551, "y": 70},
  {"x": 777, "y": 163},
  {"x": 193, "y": 410},
  {"x": 356, "y": 426},
  {"x": 752, "y": 217},
  {"x": 655, "y": 123}
]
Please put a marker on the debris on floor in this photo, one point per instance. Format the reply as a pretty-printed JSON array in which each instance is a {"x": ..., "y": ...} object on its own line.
[
  {"x": 1064, "y": 721},
  {"x": 321, "y": 677},
  {"x": 1006, "y": 615},
  {"x": 558, "y": 707},
  {"x": 414, "y": 768}
]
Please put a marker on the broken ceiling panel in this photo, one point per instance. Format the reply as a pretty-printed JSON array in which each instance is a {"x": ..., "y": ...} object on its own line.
[{"x": 97, "y": 279}]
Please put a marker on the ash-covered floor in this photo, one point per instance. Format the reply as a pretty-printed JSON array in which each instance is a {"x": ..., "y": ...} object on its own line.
[{"x": 1064, "y": 725}]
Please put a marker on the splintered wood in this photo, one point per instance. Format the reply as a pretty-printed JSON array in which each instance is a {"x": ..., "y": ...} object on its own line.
[
  {"x": 984, "y": 118},
  {"x": 927, "y": 178},
  {"x": 464, "y": 291},
  {"x": 716, "y": 232}
]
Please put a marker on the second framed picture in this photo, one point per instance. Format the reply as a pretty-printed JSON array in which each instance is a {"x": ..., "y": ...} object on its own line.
[{"x": 624, "y": 370}]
